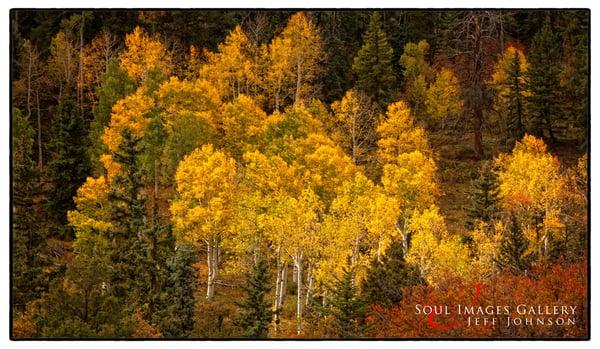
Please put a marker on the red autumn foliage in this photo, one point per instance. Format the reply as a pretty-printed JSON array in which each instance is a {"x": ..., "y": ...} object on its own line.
[{"x": 558, "y": 284}]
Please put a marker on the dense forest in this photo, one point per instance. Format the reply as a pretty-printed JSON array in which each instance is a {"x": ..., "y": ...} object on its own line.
[{"x": 283, "y": 174}]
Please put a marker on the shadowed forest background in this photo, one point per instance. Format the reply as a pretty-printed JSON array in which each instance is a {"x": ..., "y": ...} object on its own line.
[{"x": 283, "y": 174}]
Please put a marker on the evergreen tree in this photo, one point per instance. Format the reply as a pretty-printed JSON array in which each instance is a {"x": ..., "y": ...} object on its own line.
[
  {"x": 27, "y": 237},
  {"x": 176, "y": 319},
  {"x": 133, "y": 269},
  {"x": 484, "y": 196},
  {"x": 373, "y": 64},
  {"x": 256, "y": 310},
  {"x": 513, "y": 254},
  {"x": 515, "y": 101},
  {"x": 116, "y": 84},
  {"x": 70, "y": 163},
  {"x": 544, "y": 102},
  {"x": 347, "y": 306},
  {"x": 386, "y": 278},
  {"x": 575, "y": 88}
]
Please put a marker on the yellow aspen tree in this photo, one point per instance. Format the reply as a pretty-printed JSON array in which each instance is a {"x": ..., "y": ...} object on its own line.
[
  {"x": 233, "y": 69},
  {"x": 323, "y": 165},
  {"x": 358, "y": 228},
  {"x": 436, "y": 253},
  {"x": 144, "y": 54},
  {"x": 91, "y": 207},
  {"x": 243, "y": 124},
  {"x": 356, "y": 116},
  {"x": 206, "y": 182},
  {"x": 188, "y": 110},
  {"x": 411, "y": 180},
  {"x": 531, "y": 184},
  {"x": 398, "y": 134},
  {"x": 443, "y": 97},
  {"x": 293, "y": 61}
]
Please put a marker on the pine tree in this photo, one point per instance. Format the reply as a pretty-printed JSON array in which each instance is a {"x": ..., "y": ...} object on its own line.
[
  {"x": 386, "y": 277},
  {"x": 70, "y": 163},
  {"x": 347, "y": 306},
  {"x": 132, "y": 273},
  {"x": 544, "y": 102},
  {"x": 176, "y": 319},
  {"x": 513, "y": 254},
  {"x": 484, "y": 196},
  {"x": 116, "y": 84},
  {"x": 515, "y": 101},
  {"x": 373, "y": 64},
  {"x": 256, "y": 310},
  {"x": 27, "y": 237},
  {"x": 575, "y": 88}
]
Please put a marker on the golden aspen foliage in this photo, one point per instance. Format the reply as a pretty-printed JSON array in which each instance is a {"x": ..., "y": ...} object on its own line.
[
  {"x": 398, "y": 134},
  {"x": 206, "y": 182},
  {"x": 293, "y": 62},
  {"x": 359, "y": 227},
  {"x": 487, "y": 239},
  {"x": 92, "y": 207},
  {"x": 143, "y": 54},
  {"x": 356, "y": 117},
  {"x": 531, "y": 186},
  {"x": 243, "y": 124},
  {"x": 437, "y": 254},
  {"x": 411, "y": 180},
  {"x": 233, "y": 69},
  {"x": 529, "y": 176},
  {"x": 443, "y": 97},
  {"x": 130, "y": 112}
]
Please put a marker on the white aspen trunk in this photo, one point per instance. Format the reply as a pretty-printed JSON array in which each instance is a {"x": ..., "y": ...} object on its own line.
[
  {"x": 295, "y": 273},
  {"x": 309, "y": 281},
  {"x": 278, "y": 288},
  {"x": 210, "y": 259},
  {"x": 299, "y": 294}
]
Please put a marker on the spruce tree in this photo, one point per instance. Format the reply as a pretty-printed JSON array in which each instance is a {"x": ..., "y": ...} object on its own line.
[
  {"x": 544, "y": 69},
  {"x": 373, "y": 64},
  {"x": 513, "y": 254},
  {"x": 176, "y": 317},
  {"x": 256, "y": 310},
  {"x": 132, "y": 273},
  {"x": 70, "y": 163},
  {"x": 386, "y": 278},
  {"x": 347, "y": 307},
  {"x": 515, "y": 101},
  {"x": 484, "y": 196},
  {"x": 576, "y": 88},
  {"x": 27, "y": 235}
]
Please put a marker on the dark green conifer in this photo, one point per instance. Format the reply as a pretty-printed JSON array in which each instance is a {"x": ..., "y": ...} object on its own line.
[
  {"x": 484, "y": 196},
  {"x": 256, "y": 310},
  {"x": 513, "y": 254},
  {"x": 386, "y": 277},
  {"x": 373, "y": 64}
]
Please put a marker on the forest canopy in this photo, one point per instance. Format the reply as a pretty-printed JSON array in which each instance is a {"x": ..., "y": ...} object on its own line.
[{"x": 295, "y": 174}]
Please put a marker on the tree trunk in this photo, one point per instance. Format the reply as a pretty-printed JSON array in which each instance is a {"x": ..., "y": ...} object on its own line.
[
  {"x": 211, "y": 259},
  {"x": 309, "y": 280},
  {"x": 80, "y": 89},
  {"x": 299, "y": 294}
]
